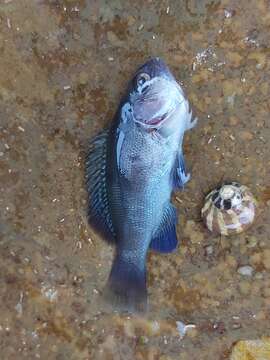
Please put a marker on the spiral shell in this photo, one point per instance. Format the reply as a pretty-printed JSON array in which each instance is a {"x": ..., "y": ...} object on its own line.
[{"x": 229, "y": 209}]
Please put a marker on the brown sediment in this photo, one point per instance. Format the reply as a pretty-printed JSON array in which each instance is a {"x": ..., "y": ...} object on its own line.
[{"x": 63, "y": 68}]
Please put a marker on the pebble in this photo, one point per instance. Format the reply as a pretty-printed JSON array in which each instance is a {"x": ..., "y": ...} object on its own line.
[
  {"x": 209, "y": 250},
  {"x": 259, "y": 276},
  {"x": 114, "y": 39},
  {"x": 231, "y": 99},
  {"x": 233, "y": 121},
  {"x": 244, "y": 287},
  {"x": 266, "y": 259},
  {"x": 246, "y": 135},
  {"x": 236, "y": 326},
  {"x": 252, "y": 242},
  {"x": 83, "y": 77},
  {"x": 143, "y": 340},
  {"x": 245, "y": 270}
]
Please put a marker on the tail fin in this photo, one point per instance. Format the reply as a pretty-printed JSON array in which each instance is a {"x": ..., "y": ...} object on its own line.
[{"x": 126, "y": 288}]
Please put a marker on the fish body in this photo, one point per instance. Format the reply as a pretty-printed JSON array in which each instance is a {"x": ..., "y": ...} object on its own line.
[{"x": 131, "y": 171}]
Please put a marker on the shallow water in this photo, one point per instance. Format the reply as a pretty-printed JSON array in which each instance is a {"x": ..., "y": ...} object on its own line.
[{"x": 63, "y": 68}]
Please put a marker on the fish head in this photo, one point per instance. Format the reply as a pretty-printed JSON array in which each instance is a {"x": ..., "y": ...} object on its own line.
[{"x": 155, "y": 96}]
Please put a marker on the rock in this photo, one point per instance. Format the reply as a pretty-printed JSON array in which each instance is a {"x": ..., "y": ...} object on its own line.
[
  {"x": 251, "y": 349},
  {"x": 245, "y": 270}
]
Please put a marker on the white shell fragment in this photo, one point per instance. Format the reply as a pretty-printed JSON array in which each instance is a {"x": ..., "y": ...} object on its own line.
[
  {"x": 245, "y": 270},
  {"x": 183, "y": 328}
]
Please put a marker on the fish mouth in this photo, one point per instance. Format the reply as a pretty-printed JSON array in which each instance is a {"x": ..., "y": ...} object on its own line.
[
  {"x": 156, "y": 102},
  {"x": 153, "y": 123},
  {"x": 157, "y": 121}
]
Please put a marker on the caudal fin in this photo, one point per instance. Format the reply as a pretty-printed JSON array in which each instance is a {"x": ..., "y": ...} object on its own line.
[{"x": 126, "y": 288}]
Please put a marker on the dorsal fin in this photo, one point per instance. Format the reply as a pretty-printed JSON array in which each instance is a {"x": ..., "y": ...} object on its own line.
[
  {"x": 98, "y": 208},
  {"x": 165, "y": 238}
]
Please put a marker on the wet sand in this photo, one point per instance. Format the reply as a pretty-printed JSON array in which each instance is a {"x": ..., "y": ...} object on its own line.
[{"x": 63, "y": 68}]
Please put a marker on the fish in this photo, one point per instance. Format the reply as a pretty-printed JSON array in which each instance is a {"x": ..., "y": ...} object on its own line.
[{"x": 132, "y": 168}]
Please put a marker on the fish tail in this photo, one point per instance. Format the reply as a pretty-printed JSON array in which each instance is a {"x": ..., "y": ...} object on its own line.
[{"x": 126, "y": 287}]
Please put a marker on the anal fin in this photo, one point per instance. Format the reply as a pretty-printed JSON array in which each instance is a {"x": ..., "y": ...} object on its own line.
[{"x": 165, "y": 238}]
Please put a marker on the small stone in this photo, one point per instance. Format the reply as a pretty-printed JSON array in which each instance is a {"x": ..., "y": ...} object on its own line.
[
  {"x": 246, "y": 135},
  {"x": 231, "y": 99},
  {"x": 83, "y": 78},
  {"x": 244, "y": 287},
  {"x": 231, "y": 261},
  {"x": 131, "y": 20},
  {"x": 233, "y": 121},
  {"x": 266, "y": 258},
  {"x": 256, "y": 258},
  {"x": 245, "y": 270},
  {"x": 266, "y": 292},
  {"x": 143, "y": 340},
  {"x": 252, "y": 242},
  {"x": 209, "y": 250},
  {"x": 236, "y": 326},
  {"x": 114, "y": 39},
  {"x": 259, "y": 276}
]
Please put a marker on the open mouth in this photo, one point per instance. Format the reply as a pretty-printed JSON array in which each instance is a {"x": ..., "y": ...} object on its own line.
[{"x": 156, "y": 120}]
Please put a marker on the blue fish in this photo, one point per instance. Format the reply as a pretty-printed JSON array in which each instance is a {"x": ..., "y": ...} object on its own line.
[{"x": 131, "y": 170}]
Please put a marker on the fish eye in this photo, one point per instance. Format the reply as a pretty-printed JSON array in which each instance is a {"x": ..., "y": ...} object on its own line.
[{"x": 142, "y": 78}]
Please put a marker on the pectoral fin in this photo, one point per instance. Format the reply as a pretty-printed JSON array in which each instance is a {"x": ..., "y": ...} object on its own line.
[{"x": 179, "y": 175}]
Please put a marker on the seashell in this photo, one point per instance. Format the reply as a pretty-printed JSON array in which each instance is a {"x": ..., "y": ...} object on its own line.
[{"x": 229, "y": 209}]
